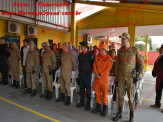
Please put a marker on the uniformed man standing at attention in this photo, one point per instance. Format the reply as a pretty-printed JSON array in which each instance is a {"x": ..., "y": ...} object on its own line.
[
  {"x": 101, "y": 67},
  {"x": 86, "y": 60},
  {"x": 48, "y": 67},
  {"x": 31, "y": 65},
  {"x": 14, "y": 59},
  {"x": 68, "y": 63},
  {"x": 4, "y": 54},
  {"x": 125, "y": 64}
]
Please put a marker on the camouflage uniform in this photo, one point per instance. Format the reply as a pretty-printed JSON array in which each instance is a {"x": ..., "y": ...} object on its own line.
[{"x": 125, "y": 64}]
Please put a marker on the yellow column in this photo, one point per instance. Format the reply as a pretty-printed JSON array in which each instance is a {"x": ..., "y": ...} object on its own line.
[
  {"x": 108, "y": 43},
  {"x": 131, "y": 31},
  {"x": 73, "y": 23},
  {"x": 146, "y": 56},
  {"x": 77, "y": 34}
]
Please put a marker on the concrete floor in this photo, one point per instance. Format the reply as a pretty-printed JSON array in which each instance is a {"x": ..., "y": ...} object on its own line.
[{"x": 14, "y": 113}]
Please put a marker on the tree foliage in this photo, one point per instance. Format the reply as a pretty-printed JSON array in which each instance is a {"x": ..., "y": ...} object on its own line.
[{"x": 141, "y": 47}]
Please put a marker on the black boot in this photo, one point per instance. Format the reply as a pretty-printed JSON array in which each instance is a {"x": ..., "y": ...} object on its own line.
[
  {"x": 44, "y": 95},
  {"x": 14, "y": 83},
  {"x": 80, "y": 104},
  {"x": 61, "y": 98},
  {"x": 103, "y": 113},
  {"x": 27, "y": 91},
  {"x": 33, "y": 93},
  {"x": 97, "y": 109},
  {"x": 131, "y": 116},
  {"x": 68, "y": 102},
  {"x": 119, "y": 115},
  {"x": 50, "y": 96},
  {"x": 87, "y": 108},
  {"x": 17, "y": 85}
]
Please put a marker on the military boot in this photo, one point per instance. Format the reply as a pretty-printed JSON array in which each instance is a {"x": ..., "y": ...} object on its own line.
[
  {"x": 68, "y": 102},
  {"x": 33, "y": 93},
  {"x": 27, "y": 91},
  {"x": 80, "y": 104},
  {"x": 49, "y": 96},
  {"x": 97, "y": 109},
  {"x": 103, "y": 113},
  {"x": 17, "y": 85},
  {"x": 119, "y": 115},
  {"x": 87, "y": 108},
  {"x": 61, "y": 98},
  {"x": 131, "y": 119},
  {"x": 44, "y": 95}
]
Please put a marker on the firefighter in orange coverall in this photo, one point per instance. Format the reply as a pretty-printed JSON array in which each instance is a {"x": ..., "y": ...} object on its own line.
[{"x": 101, "y": 67}]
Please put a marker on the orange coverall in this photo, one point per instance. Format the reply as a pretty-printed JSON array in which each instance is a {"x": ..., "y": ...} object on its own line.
[{"x": 102, "y": 65}]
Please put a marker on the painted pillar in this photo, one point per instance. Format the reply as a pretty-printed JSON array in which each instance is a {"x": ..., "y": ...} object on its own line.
[
  {"x": 146, "y": 55},
  {"x": 73, "y": 23}
]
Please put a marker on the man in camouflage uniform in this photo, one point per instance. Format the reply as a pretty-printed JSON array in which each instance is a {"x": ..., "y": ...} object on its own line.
[
  {"x": 68, "y": 62},
  {"x": 14, "y": 60},
  {"x": 48, "y": 67},
  {"x": 126, "y": 61},
  {"x": 31, "y": 65}
]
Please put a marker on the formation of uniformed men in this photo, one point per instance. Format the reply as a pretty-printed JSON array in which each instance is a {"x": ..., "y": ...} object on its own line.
[{"x": 88, "y": 62}]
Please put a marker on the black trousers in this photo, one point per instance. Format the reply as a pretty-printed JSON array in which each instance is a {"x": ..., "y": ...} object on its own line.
[
  {"x": 24, "y": 75},
  {"x": 85, "y": 85},
  {"x": 159, "y": 94},
  {"x": 4, "y": 70}
]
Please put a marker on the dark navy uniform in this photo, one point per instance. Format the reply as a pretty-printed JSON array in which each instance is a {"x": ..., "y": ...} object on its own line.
[
  {"x": 4, "y": 54},
  {"x": 85, "y": 74}
]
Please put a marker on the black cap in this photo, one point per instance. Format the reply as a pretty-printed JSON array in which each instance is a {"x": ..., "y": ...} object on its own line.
[{"x": 84, "y": 43}]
